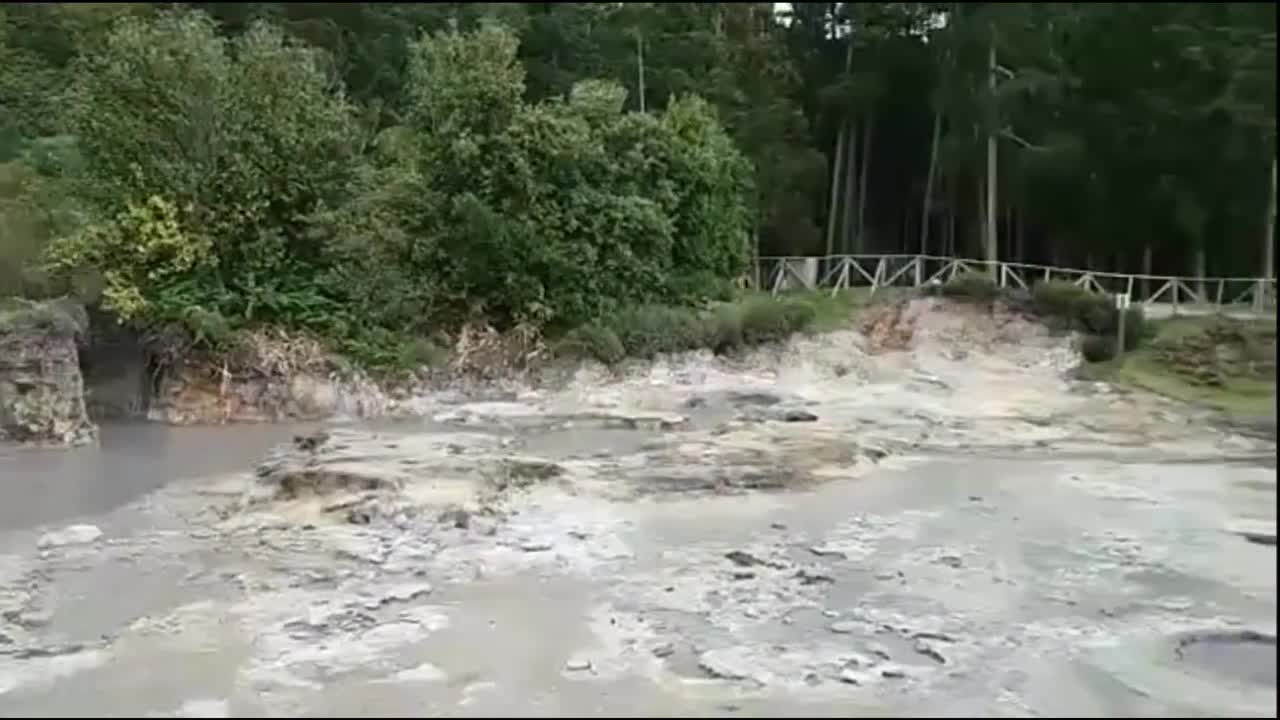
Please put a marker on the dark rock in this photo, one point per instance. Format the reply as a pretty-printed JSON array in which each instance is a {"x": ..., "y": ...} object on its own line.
[
  {"x": 743, "y": 559},
  {"x": 950, "y": 561},
  {"x": 813, "y": 577},
  {"x": 924, "y": 648},
  {"x": 664, "y": 650},
  {"x": 797, "y": 415},
  {"x": 457, "y": 517},
  {"x": 752, "y": 398},
  {"x": 824, "y": 551}
]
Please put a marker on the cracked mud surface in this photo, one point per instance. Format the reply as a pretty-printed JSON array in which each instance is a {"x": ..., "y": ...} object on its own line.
[{"x": 957, "y": 529}]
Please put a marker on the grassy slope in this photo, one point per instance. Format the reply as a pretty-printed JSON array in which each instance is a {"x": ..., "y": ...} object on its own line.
[{"x": 1243, "y": 397}]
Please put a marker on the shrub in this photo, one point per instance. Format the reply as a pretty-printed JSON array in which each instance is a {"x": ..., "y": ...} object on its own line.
[
  {"x": 648, "y": 330},
  {"x": 1057, "y": 298},
  {"x": 975, "y": 287},
  {"x": 595, "y": 341},
  {"x": 242, "y": 154},
  {"x": 768, "y": 319},
  {"x": 1098, "y": 348},
  {"x": 200, "y": 162},
  {"x": 725, "y": 330},
  {"x": 556, "y": 212},
  {"x": 1075, "y": 308}
]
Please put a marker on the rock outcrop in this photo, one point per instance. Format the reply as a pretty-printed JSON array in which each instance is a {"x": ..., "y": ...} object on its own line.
[
  {"x": 201, "y": 395},
  {"x": 41, "y": 389}
]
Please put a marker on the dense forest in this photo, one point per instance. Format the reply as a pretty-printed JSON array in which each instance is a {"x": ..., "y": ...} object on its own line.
[{"x": 362, "y": 168}]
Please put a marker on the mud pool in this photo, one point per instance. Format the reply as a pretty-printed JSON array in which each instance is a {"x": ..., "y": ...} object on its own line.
[{"x": 954, "y": 529}]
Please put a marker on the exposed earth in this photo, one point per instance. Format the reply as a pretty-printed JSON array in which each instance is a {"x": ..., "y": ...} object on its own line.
[{"x": 930, "y": 519}]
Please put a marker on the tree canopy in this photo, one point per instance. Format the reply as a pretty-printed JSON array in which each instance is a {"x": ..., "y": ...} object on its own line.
[{"x": 356, "y": 168}]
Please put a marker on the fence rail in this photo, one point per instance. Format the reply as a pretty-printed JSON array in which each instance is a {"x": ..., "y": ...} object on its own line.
[{"x": 1180, "y": 295}]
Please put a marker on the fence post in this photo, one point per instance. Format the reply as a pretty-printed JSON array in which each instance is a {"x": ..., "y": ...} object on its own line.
[
  {"x": 1173, "y": 289},
  {"x": 919, "y": 270}
]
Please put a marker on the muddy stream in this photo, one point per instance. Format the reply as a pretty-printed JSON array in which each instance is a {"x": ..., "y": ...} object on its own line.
[{"x": 954, "y": 529}]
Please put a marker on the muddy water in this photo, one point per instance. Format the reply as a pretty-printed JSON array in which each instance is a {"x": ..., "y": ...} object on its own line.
[
  {"x": 41, "y": 486},
  {"x": 814, "y": 532}
]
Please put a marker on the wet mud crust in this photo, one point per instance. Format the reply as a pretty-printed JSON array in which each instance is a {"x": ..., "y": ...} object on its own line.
[{"x": 947, "y": 525}]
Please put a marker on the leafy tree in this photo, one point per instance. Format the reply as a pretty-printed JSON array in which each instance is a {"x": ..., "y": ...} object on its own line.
[{"x": 237, "y": 142}]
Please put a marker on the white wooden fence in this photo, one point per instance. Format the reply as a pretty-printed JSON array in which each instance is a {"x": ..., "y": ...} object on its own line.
[{"x": 1184, "y": 294}]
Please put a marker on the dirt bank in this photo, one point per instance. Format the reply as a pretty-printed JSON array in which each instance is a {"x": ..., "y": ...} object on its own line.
[{"x": 829, "y": 527}]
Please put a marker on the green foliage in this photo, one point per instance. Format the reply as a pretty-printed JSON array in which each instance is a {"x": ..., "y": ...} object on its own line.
[
  {"x": 769, "y": 320},
  {"x": 595, "y": 341},
  {"x": 554, "y": 212},
  {"x": 645, "y": 331},
  {"x": 145, "y": 255},
  {"x": 1098, "y": 348},
  {"x": 230, "y": 184},
  {"x": 1075, "y": 308},
  {"x": 476, "y": 169},
  {"x": 975, "y": 287},
  {"x": 202, "y": 161}
]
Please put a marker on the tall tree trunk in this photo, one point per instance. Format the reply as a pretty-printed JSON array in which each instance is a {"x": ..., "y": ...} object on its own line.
[
  {"x": 928, "y": 181},
  {"x": 1019, "y": 239},
  {"x": 640, "y": 68},
  {"x": 848, "y": 241},
  {"x": 833, "y": 203},
  {"x": 953, "y": 212},
  {"x": 982, "y": 220},
  {"x": 833, "y": 214},
  {"x": 867, "y": 129},
  {"x": 1009, "y": 250},
  {"x": 990, "y": 226},
  {"x": 1199, "y": 259},
  {"x": 1269, "y": 235},
  {"x": 1146, "y": 270}
]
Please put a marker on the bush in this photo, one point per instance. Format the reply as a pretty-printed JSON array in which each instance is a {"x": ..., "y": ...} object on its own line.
[
  {"x": 1060, "y": 299},
  {"x": 974, "y": 287},
  {"x": 1075, "y": 308},
  {"x": 595, "y": 341},
  {"x": 768, "y": 319},
  {"x": 227, "y": 186},
  {"x": 648, "y": 330},
  {"x": 200, "y": 162},
  {"x": 1098, "y": 348},
  {"x": 555, "y": 213}
]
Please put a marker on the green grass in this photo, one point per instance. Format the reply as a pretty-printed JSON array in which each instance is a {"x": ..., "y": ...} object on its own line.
[{"x": 1149, "y": 368}]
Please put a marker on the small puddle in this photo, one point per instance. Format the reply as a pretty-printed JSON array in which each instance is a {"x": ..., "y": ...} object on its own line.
[{"x": 1246, "y": 656}]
